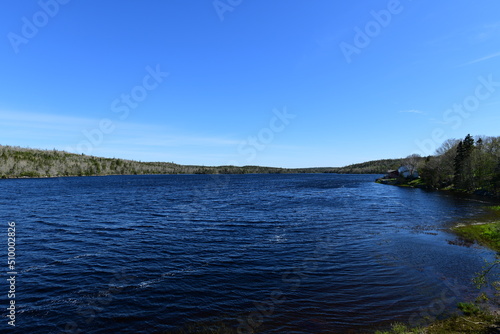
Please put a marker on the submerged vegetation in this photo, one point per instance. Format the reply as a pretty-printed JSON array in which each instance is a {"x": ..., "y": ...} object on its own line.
[{"x": 476, "y": 322}]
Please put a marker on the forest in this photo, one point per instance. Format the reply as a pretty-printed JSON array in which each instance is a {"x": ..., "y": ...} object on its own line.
[
  {"x": 471, "y": 165},
  {"x": 17, "y": 162},
  {"x": 377, "y": 166}
]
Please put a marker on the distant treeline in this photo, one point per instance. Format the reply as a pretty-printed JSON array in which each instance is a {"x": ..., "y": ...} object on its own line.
[
  {"x": 26, "y": 162},
  {"x": 18, "y": 162},
  {"x": 376, "y": 166}
]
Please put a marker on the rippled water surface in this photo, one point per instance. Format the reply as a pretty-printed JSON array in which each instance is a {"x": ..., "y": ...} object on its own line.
[{"x": 266, "y": 253}]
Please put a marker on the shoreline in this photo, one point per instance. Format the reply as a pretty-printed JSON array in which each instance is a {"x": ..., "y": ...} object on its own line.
[
  {"x": 417, "y": 183},
  {"x": 485, "y": 232},
  {"x": 476, "y": 317},
  {"x": 250, "y": 173}
]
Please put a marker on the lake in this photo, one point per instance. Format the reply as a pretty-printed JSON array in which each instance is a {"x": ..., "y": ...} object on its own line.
[{"x": 311, "y": 253}]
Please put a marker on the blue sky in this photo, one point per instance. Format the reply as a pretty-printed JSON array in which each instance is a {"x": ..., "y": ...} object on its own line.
[{"x": 278, "y": 83}]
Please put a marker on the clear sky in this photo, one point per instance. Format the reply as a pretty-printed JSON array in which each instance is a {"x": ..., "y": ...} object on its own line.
[{"x": 294, "y": 83}]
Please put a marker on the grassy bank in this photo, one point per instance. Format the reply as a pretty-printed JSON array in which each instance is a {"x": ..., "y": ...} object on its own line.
[
  {"x": 475, "y": 319},
  {"x": 487, "y": 233}
]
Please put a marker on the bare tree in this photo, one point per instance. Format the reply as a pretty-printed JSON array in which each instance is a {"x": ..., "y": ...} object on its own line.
[
  {"x": 449, "y": 144},
  {"x": 411, "y": 163}
]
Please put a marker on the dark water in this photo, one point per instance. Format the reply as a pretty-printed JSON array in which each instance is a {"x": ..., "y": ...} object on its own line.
[{"x": 264, "y": 253}]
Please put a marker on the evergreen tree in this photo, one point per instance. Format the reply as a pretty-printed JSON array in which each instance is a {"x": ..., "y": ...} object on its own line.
[
  {"x": 464, "y": 169},
  {"x": 468, "y": 168},
  {"x": 459, "y": 158},
  {"x": 468, "y": 144}
]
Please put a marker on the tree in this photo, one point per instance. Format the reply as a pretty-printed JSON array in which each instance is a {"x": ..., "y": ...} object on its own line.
[
  {"x": 430, "y": 172},
  {"x": 464, "y": 171},
  {"x": 459, "y": 161},
  {"x": 411, "y": 163},
  {"x": 447, "y": 146}
]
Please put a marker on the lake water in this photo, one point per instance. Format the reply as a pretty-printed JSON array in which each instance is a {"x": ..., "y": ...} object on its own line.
[{"x": 313, "y": 253}]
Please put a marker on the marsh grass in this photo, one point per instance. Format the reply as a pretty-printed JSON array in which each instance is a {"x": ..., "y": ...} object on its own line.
[{"x": 487, "y": 233}]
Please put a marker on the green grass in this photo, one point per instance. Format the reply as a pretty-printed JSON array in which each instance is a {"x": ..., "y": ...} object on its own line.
[
  {"x": 417, "y": 183},
  {"x": 487, "y": 234},
  {"x": 403, "y": 182},
  {"x": 387, "y": 181}
]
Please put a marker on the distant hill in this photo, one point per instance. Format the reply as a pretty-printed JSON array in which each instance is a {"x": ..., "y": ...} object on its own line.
[
  {"x": 26, "y": 162},
  {"x": 373, "y": 167}
]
